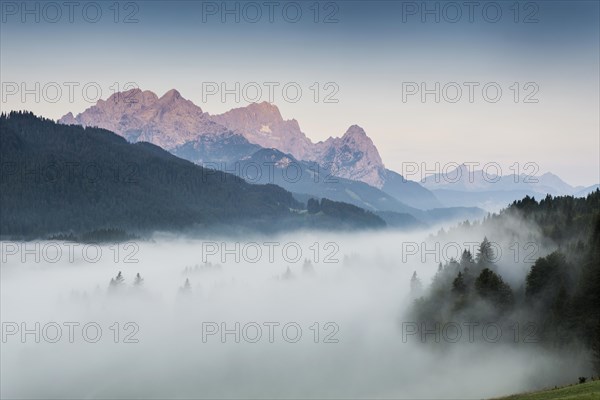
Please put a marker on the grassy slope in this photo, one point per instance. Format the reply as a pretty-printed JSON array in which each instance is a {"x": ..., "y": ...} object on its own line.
[{"x": 585, "y": 391}]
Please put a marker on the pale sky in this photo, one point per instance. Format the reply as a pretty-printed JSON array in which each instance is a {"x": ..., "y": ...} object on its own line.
[{"x": 370, "y": 57}]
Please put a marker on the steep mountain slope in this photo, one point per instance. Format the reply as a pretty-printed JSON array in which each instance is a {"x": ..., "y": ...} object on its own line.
[
  {"x": 352, "y": 156},
  {"x": 409, "y": 192},
  {"x": 168, "y": 121},
  {"x": 274, "y": 166},
  {"x": 176, "y": 124},
  {"x": 222, "y": 149},
  {"x": 308, "y": 179},
  {"x": 61, "y": 178},
  {"x": 263, "y": 124}
]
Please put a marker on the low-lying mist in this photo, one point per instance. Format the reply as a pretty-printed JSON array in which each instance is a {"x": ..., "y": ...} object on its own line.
[{"x": 305, "y": 315}]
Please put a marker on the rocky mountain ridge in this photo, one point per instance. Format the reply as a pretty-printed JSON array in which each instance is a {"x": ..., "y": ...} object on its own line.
[{"x": 171, "y": 121}]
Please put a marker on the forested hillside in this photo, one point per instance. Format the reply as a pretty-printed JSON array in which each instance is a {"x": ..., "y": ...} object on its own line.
[
  {"x": 60, "y": 179},
  {"x": 558, "y": 303}
]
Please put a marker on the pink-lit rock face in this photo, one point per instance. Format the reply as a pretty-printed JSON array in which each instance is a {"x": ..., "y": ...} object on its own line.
[
  {"x": 262, "y": 124},
  {"x": 352, "y": 156},
  {"x": 171, "y": 121},
  {"x": 168, "y": 121}
]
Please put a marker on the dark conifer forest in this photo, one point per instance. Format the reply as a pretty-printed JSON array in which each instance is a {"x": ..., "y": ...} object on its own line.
[{"x": 557, "y": 304}]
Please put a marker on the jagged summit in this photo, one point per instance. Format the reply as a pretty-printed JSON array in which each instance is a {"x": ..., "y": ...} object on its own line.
[
  {"x": 262, "y": 123},
  {"x": 171, "y": 121},
  {"x": 266, "y": 109},
  {"x": 352, "y": 156},
  {"x": 355, "y": 131},
  {"x": 168, "y": 121},
  {"x": 130, "y": 98},
  {"x": 173, "y": 93}
]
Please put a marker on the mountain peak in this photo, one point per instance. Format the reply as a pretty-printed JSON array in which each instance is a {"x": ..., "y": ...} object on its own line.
[
  {"x": 137, "y": 115},
  {"x": 549, "y": 175},
  {"x": 131, "y": 96},
  {"x": 264, "y": 112},
  {"x": 263, "y": 105},
  {"x": 171, "y": 94},
  {"x": 355, "y": 131},
  {"x": 353, "y": 156},
  {"x": 68, "y": 119},
  {"x": 262, "y": 124},
  {"x": 171, "y": 121}
]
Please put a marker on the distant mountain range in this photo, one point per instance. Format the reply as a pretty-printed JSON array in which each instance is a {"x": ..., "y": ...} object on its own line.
[
  {"x": 232, "y": 140},
  {"x": 470, "y": 187},
  {"x": 172, "y": 121},
  {"x": 181, "y": 127},
  {"x": 471, "y": 180},
  {"x": 307, "y": 180}
]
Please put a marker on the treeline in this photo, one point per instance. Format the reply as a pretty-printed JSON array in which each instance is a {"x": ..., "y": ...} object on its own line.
[
  {"x": 96, "y": 236},
  {"x": 560, "y": 297},
  {"x": 344, "y": 212}
]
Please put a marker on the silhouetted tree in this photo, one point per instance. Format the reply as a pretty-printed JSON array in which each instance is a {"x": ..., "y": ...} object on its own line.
[
  {"x": 458, "y": 286},
  {"x": 117, "y": 281},
  {"x": 547, "y": 275},
  {"x": 186, "y": 288},
  {"x": 491, "y": 287},
  {"x": 287, "y": 274},
  {"x": 139, "y": 281},
  {"x": 485, "y": 255},
  {"x": 466, "y": 259},
  {"x": 416, "y": 288}
]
